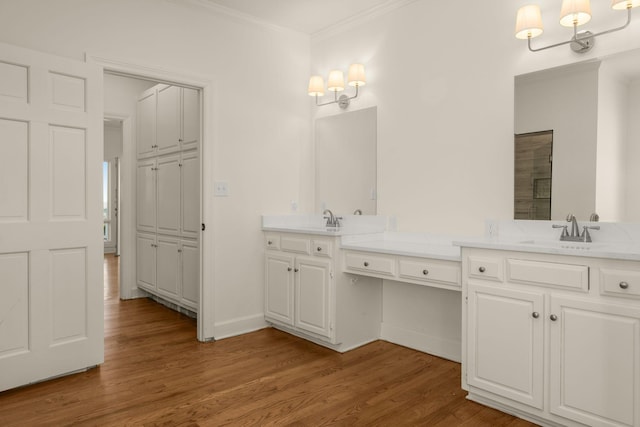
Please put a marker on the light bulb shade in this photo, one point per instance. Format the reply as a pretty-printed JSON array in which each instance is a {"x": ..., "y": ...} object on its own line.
[
  {"x": 528, "y": 22},
  {"x": 336, "y": 81},
  {"x": 316, "y": 86},
  {"x": 624, "y": 4},
  {"x": 356, "y": 75},
  {"x": 575, "y": 12}
]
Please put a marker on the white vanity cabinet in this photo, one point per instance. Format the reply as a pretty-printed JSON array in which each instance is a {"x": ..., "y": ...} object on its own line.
[
  {"x": 549, "y": 338},
  {"x": 306, "y": 294}
]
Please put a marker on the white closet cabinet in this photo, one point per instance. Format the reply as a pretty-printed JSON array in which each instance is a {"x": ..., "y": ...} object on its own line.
[{"x": 168, "y": 194}]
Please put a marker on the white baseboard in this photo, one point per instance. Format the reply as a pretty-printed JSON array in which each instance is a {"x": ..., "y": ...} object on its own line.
[
  {"x": 238, "y": 326},
  {"x": 447, "y": 349}
]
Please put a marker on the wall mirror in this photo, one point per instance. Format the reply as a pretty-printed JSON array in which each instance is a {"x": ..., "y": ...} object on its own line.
[
  {"x": 588, "y": 109},
  {"x": 346, "y": 162}
]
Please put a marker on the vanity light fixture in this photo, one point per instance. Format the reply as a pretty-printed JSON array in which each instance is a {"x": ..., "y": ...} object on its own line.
[
  {"x": 572, "y": 14},
  {"x": 335, "y": 84}
]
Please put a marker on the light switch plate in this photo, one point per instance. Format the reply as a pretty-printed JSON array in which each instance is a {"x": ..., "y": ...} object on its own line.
[{"x": 221, "y": 189}]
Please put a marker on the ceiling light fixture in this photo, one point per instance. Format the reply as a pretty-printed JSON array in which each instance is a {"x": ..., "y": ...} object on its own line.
[
  {"x": 572, "y": 14},
  {"x": 335, "y": 84}
]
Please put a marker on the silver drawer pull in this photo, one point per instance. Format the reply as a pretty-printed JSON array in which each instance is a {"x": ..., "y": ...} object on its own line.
[
  {"x": 269, "y": 242},
  {"x": 366, "y": 264},
  {"x": 482, "y": 269},
  {"x": 289, "y": 268},
  {"x": 535, "y": 314},
  {"x": 425, "y": 272},
  {"x": 319, "y": 249},
  {"x": 624, "y": 285},
  {"x": 553, "y": 317}
]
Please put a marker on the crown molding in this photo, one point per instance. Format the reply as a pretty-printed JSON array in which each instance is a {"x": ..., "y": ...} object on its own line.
[{"x": 360, "y": 18}]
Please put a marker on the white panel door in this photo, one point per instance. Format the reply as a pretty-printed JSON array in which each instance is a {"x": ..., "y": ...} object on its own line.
[
  {"x": 146, "y": 260},
  {"x": 168, "y": 183},
  {"x": 51, "y": 285},
  {"x": 168, "y": 119},
  {"x": 190, "y": 118},
  {"x": 312, "y": 293},
  {"x": 278, "y": 298},
  {"x": 190, "y": 274},
  {"x": 190, "y": 182},
  {"x": 167, "y": 267},
  {"x": 146, "y": 117},
  {"x": 595, "y": 362},
  {"x": 505, "y": 343},
  {"x": 146, "y": 195}
]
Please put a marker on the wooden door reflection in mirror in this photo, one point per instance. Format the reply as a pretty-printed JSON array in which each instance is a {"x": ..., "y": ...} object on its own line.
[{"x": 532, "y": 176}]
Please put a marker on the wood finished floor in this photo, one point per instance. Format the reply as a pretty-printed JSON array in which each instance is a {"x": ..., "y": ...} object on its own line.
[{"x": 157, "y": 374}]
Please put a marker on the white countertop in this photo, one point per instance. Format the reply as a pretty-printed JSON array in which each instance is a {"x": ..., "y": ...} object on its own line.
[
  {"x": 405, "y": 244},
  {"x": 315, "y": 224}
]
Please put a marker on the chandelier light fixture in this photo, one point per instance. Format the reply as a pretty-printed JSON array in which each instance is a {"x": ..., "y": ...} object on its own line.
[{"x": 573, "y": 13}]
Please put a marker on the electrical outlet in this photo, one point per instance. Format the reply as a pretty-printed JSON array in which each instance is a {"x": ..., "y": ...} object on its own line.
[
  {"x": 221, "y": 189},
  {"x": 491, "y": 228}
]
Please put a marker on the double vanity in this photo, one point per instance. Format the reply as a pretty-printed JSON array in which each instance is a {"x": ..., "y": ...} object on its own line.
[{"x": 550, "y": 328}]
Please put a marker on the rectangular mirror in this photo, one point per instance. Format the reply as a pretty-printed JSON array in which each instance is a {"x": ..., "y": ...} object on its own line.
[{"x": 346, "y": 162}]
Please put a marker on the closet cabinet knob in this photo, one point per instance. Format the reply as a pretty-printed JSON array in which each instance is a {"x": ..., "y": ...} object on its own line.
[
  {"x": 553, "y": 317},
  {"x": 624, "y": 285},
  {"x": 535, "y": 314},
  {"x": 319, "y": 249},
  {"x": 425, "y": 272},
  {"x": 289, "y": 268},
  {"x": 482, "y": 269},
  {"x": 366, "y": 264}
]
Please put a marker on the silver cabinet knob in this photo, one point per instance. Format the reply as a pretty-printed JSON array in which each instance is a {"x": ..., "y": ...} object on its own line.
[
  {"x": 482, "y": 269},
  {"x": 289, "y": 268},
  {"x": 425, "y": 272},
  {"x": 319, "y": 249},
  {"x": 624, "y": 285},
  {"x": 269, "y": 243},
  {"x": 295, "y": 270},
  {"x": 535, "y": 314},
  {"x": 366, "y": 264},
  {"x": 553, "y": 317}
]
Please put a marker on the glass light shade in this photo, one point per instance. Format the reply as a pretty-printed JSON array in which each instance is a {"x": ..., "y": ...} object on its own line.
[
  {"x": 624, "y": 4},
  {"x": 336, "y": 81},
  {"x": 356, "y": 75},
  {"x": 528, "y": 22},
  {"x": 575, "y": 12},
  {"x": 316, "y": 86}
]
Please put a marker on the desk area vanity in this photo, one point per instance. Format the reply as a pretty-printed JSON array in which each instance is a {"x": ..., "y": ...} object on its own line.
[{"x": 549, "y": 330}]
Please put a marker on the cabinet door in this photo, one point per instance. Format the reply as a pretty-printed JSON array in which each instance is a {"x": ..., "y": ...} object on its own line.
[
  {"x": 146, "y": 261},
  {"x": 505, "y": 342},
  {"x": 312, "y": 295},
  {"x": 146, "y": 195},
  {"x": 278, "y": 298},
  {"x": 190, "y": 218},
  {"x": 190, "y": 118},
  {"x": 595, "y": 362},
  {"x": 190, "y": 274},
  {"x": 146, "y": 126},
  {"x": 168, "y": 119},
  {"x": 168, "y": 271},
  {"x": 168, "y": 182}
]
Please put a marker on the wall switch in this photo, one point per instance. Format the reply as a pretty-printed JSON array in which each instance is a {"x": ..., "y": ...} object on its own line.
[{"x": 221, "y": 189}]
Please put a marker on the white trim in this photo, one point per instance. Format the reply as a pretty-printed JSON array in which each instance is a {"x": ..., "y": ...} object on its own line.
[
  {"x": 369, "y": 14},
  {"x": 240, "y": 326},
  {"x": 447, "y": 349},
  {"x": 135, "y": 68}
]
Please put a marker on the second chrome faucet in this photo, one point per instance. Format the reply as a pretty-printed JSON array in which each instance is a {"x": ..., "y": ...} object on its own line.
[{"x": 575, "y": 235}]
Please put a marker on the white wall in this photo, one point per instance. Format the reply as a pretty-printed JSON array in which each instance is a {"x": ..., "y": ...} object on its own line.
[
  {"x": 260, "y": 111},
  {"x": 112, "y": 142},
  {"x": 633, "y": 154},
  {"x": 564, "y": 100}
]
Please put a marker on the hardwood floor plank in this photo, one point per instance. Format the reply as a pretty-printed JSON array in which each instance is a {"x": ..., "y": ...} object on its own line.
[{"x": 157, "y": 374}]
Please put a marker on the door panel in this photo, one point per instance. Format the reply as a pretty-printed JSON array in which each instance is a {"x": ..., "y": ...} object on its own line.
[
  {"x": 312, "y": 295},
  {"x": 167, "y": 267},
  {"x": 190, "y": 182},
  {"x": 146, "y": 195},
  {"x": 51, "y": 293},
  {"x": 168, "y": 182},
  {"x": 190, "y": 274},
  {"x": 168, "y": 121},
  {"x": 278, "y": 297}
]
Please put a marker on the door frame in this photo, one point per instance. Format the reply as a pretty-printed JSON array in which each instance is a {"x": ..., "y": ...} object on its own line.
[{"x": 206, "y": 85}]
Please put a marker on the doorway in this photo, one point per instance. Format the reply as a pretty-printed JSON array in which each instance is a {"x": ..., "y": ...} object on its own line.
[{"x": 533, "y": 162}]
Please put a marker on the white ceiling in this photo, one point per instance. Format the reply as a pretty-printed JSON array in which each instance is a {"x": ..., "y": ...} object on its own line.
[{"x": 306, "y": 16}]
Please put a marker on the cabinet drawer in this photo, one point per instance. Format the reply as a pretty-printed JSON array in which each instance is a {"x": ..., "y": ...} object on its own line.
[
  {"x": 321, "y": 248},
  {"x": 385, "y": 266},
  {"x": 295, "y": 244},
  {"x": 429, "y": 271},
  {"x": 620, "y": 282},
  {"x": 548, "y": 274},
  {"x": 272, "y": 241},
  {"x": 486, "y": 268}
]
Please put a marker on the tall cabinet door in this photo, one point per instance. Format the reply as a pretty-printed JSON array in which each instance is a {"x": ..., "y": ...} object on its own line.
[
  {"x": 278, "y": 299},
  {"x": 505, "y": 342},
  {"x": 168, "y": 119},
  {"x": 146, "y": 112},
  {"x": 190, "y": 218},
  {"x": 312, "y": 287},
  {"x": 146, "y": 260},
  {"x": 595, "y": 362},
  {"x": 146, "y": 195},
  {"x": 190, "y": 118},
  {"x": 168, "y": 182}
]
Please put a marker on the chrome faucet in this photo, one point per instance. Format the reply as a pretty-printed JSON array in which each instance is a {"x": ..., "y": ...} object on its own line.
[
  {"x": 332, "y": 220},
  {"x": 575, "y": 235},
  {"x": 357, "y": 212}
]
